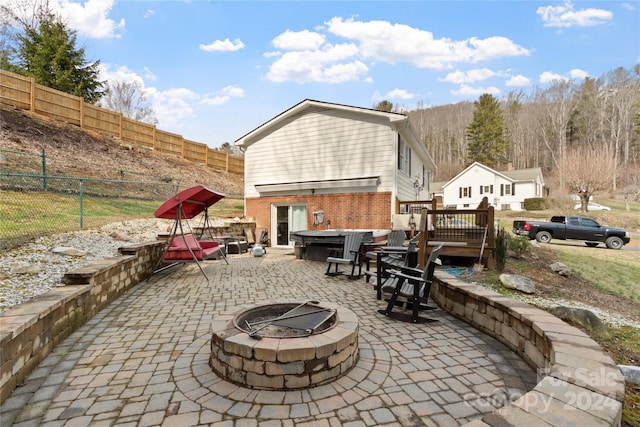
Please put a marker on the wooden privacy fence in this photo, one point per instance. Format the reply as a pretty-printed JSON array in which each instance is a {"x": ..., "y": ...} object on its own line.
[{"x": 22, "y": 92}]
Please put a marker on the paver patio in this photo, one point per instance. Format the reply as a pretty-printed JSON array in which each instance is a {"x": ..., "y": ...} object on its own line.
[{"x": 143, "y": 361}]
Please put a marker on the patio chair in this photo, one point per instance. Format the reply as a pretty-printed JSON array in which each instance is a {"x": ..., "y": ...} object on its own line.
[
  {"x": 395, "y": 239},
  {"x": 396, "y": 255},
  {"x": 350, "y": 255},
  {"x": 411, "y": 284}
]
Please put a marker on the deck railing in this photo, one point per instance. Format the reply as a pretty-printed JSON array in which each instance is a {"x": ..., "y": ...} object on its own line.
[{"x": 464, "y": 233}]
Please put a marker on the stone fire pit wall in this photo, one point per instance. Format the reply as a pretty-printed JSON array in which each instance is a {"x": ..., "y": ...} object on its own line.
[{"x": 284, "y": 363}]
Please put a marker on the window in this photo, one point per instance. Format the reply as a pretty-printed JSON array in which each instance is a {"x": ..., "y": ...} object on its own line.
[
  {"x": 507, "y": 189},
  {"x": 404, "y": 156},
  {"x": 464, "y": 192}
]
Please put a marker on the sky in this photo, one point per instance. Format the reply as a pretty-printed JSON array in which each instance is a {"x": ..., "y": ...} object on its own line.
[{"x": 213, "y": 71}]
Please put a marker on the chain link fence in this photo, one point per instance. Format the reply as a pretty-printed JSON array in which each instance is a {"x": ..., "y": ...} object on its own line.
[{"x": 36, "y": 201}]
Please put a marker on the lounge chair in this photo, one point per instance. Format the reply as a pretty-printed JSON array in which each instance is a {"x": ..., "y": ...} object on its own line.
[
  {"x": 350, "y": 255},
  {"x": 395, "y": 242},
  {"x": 411, "y": 284}
]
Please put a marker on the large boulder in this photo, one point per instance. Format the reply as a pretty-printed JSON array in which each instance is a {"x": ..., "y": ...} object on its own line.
[
  {"x": 560, "y": 268},
  {"x": 519, "y": 283},
  {"x": 581, "y": 318}
]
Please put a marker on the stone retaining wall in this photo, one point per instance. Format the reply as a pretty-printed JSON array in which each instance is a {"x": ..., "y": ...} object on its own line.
[
  {"x": 579, "y": 384},
  {"x": 29, "y": 331}
]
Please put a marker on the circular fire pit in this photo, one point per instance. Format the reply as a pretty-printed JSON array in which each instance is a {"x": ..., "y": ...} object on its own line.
[{"x": 284, "y": 346}]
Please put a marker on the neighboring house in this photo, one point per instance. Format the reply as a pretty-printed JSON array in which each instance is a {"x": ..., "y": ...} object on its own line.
[
  {"x": 505, "y": 190},
  {"x": 322, "y": 166}
]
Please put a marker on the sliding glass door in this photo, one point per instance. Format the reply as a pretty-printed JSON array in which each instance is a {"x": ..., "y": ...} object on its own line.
[{"x": 285, "y": 219}]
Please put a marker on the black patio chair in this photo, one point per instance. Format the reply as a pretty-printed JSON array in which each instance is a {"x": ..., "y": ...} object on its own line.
[{"x": 412, "y": 285}]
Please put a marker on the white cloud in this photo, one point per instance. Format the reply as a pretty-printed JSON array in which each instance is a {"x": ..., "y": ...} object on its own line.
[
  {"x": 224, "y": 96},
  {"x": 466, "y": 90},
  {"x": 298, "y": 40},
  {"x": 518, "y": 81},
  {"x": 565, "y": 16},
  {"x": 578, "y": 74},
  {"x": 471, "y": 76},
  {"x": 548, "y": 77},
  {"x": 575, "y": 74},
  {"x": 90, "y": 18},
  {"x": 225, "y": 45},
  {"x": 309, "y": 57},
  {"x": 324, "y": 65},
  {"x": 149, "y": 75},
  {"x": 149, "y": 13},
  {"x": 392, "y": 43},
  {"x": 628, "y": 6},
  {"x": 399, "y": 94}
]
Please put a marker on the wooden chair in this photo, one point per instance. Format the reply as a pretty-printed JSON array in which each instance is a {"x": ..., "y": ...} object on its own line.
[
  {"x": 408, "y": 283},
  {"x": 350, "y": 255}
]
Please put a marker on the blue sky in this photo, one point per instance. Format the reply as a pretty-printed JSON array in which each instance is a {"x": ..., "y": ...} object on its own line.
[{"x": 213, "y": 71}]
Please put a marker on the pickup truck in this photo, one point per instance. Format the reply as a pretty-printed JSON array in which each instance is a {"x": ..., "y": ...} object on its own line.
[{"x": 572, "y": 228}]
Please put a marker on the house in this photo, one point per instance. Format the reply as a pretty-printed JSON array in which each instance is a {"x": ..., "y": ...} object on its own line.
[
  {"x": 320, "y": 165},
  {"x": 505, "y": 190}
]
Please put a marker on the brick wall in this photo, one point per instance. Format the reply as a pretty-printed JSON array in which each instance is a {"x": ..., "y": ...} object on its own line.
[{"x": 371, "y": 211}]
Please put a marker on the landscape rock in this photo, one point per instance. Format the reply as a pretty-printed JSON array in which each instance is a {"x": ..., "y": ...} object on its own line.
[
  {"x": 519, "y": 283},
  {"x": 120, "y": 236},
  {"x": 21, "y": 267},
  {"x": 631, "y": 373},
  {"x": 66, "y": 250},
  {"x": 560, "y": 268},
  {"x": 581, "y": 318}
]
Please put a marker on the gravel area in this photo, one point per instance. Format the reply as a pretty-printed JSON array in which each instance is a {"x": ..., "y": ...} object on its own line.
[{"x": 34, "y": 269}]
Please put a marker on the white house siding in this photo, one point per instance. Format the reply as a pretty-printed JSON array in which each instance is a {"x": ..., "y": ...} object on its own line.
[
  {"x": 406, "y": 189},
  {"x": 318, "y": 147},
  {"x": 477, "y": 176}
]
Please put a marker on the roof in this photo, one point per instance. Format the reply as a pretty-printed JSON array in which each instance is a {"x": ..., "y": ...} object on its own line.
[
  {"x": 523, "y": 174},
  {"x": 400, "y": 122}
]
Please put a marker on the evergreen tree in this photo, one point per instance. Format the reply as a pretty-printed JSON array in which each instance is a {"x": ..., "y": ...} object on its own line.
[
  {"x": 47, "y": 52},
  {"x": 487, "y": 141},
  {"x": 386, "y": 106}
]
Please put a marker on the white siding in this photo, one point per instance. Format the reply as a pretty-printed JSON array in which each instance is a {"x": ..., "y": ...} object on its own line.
[
  {"x": 406, "y": 189},
  {"x": 478, "y": 176},
  {"x": 317, "y": 147}
]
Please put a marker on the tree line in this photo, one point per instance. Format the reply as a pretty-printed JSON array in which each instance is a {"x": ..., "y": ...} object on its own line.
[{"x": 584, "y": 135}]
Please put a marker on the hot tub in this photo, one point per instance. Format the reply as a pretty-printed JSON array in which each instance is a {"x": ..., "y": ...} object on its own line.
[{"x": 317, "y": 244}]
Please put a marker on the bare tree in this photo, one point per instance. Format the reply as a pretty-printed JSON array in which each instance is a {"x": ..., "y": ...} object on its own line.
[
  {"x": 128, "y": 98},
  {"x": 631, "y": 185},
  {"x": 587, "y": 171},
  {"x": 558, "y": 103}
]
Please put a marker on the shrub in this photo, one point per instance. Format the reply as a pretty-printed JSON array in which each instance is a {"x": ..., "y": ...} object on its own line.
[
  {"x": 519, "y": 246},
  {"x": 536, "y": 204}
]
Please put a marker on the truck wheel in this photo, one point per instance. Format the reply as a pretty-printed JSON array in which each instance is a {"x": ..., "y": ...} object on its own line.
[
  {"x": 614, "y": 242},
  {"x": 543, "y": 236},
  {"x": 592, "y": 244}
]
